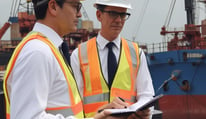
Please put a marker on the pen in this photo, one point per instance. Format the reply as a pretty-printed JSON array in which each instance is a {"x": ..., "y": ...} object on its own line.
[
  {"x": 121, "y": 99},
  {"x": 99, "y": 111}
]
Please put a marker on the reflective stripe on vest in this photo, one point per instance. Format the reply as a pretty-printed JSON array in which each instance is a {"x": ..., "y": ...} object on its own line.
[
  {"x": 96, "y": 92},
  {"x": 75, "y": 108}
]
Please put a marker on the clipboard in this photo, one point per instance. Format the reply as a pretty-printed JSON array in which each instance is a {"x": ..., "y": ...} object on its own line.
[{"x": 128, "y": 111}]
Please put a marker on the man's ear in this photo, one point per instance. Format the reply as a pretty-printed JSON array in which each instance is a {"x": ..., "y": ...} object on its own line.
[
  {"x": 52, "y": 7},
  {"x": 99, "y": 15}
]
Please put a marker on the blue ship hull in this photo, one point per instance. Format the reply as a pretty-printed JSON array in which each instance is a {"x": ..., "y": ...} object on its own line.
[{"x": 185, "y": 95}]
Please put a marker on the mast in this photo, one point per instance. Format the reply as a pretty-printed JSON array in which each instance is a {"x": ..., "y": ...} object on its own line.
[{"x": 189, "y": 7}]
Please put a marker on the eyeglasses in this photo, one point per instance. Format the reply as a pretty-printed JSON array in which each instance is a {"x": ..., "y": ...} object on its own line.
[
  {"x": 113, "y": 14},
  {"x": 76, "y": 5}
]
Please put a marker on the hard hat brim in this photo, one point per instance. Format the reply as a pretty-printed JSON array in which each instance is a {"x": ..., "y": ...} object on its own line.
[{"x": 128, "y": 6}]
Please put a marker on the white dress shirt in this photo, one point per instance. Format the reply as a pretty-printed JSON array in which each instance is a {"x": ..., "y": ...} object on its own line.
[
  {"x": 143, "y": 81},
  {"x": 37, "y": 81}
]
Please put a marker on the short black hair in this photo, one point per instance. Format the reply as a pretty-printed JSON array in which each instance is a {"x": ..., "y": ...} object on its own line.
[{"x": 40, "y": 7}]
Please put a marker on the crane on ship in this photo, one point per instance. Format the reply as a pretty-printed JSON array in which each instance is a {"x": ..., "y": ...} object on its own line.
[
  {"x": 21, "y": 19},
  {"x": 190, "y": 37}
]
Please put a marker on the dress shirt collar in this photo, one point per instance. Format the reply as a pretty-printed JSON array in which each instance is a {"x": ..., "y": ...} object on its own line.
[
  {"x": 102, "y": 42},
  {"x": 48, "y": 32}
]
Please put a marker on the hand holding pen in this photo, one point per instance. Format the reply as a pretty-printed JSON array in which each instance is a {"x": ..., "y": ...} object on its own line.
[{"x": 117, "y": 103}]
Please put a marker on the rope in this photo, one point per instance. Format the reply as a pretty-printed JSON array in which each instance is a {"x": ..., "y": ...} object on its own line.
[
  {"x": 141, "y": 17},
  {"x": 168, "y": 18}
]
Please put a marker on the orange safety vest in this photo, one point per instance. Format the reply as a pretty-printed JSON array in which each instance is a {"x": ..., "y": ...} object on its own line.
[
  {"x": 96, "y": 92},
  {"x": 76, "y": 107}
]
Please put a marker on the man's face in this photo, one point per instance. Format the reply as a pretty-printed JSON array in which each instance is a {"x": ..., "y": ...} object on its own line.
[
  {"x": 68, "y": 16},
  {"x": 111, "y": 21}
]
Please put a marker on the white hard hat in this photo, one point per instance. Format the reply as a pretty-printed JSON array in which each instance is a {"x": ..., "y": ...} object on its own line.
[{"x": 115, "y": 3}]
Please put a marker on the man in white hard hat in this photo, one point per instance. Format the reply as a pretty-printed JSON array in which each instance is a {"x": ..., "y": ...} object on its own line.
[{"x": 108, "y": 66}]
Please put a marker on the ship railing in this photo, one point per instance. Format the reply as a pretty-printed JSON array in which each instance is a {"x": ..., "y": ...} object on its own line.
[
  {"x": 6, "y": 49},
  {"x": 8, "y": 45},
  {"x": 2, "y": 74},
  {"x": 154, "y": 47},
  {"x": 171, "y": 46},
  {"x": 174, "y": 29}
]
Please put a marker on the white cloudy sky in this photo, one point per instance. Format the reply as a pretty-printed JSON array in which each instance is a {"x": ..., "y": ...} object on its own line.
[{"x": 147, "y": 31}]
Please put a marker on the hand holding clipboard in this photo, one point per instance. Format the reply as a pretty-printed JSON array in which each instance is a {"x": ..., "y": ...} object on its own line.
[{"x": 135, "y": 107}]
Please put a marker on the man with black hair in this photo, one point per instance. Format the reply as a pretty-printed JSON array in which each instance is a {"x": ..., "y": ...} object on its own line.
[{"x": 38, "y": 82}]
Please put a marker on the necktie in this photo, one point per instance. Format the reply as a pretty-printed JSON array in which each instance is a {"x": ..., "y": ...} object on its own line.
[
  {"x": 65, "y": 50},
  {"x": 111, "y": 63}
]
